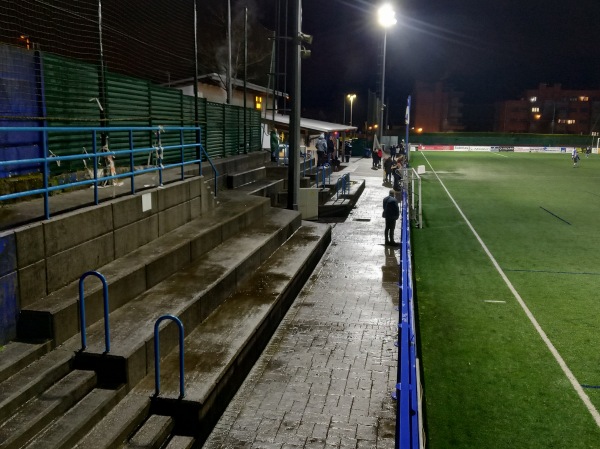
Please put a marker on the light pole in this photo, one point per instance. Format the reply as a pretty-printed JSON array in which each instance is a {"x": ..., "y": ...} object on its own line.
[
  {"x": 351, "y": 97},
  {"x": 387, "y": 18}
]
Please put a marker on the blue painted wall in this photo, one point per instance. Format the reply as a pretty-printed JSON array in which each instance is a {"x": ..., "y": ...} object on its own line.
[
  {"x": 20, "y": 86},
  {"x": 8, "y": 288}
]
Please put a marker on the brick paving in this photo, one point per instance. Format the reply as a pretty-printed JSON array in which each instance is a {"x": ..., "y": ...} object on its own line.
[{"x": 325, "y": 380}]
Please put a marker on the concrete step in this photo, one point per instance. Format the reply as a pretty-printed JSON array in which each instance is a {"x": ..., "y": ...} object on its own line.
[
  {"x": 56, "y": 316},
  {"x": 240, "y": 178},
  {"x": 221, "y": 351},
  {"x": 39, "y": 411},
  {"x": 191, "y": 294},
  {"x": 33, "y": 379},
  {"x": 17, "y": 355},
  {"x": 119, "y": 423},
  {"x": 265, "y": 188},
  {"x": 152, "y": 434},
  {"x": 69, "y": 428},
  {"x": 180, "y": 442}
]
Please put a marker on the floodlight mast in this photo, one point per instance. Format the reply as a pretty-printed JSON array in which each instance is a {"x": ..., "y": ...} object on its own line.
[{"x": 386, "y": 18}]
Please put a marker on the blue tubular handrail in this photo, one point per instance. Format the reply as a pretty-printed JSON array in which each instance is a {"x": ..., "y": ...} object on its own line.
[
  {"x": 406, "y": 394},
  {"x": 157, "y": 355},
  {"x": 47, "y": 158},
  {"x": 82, "y": 310}
]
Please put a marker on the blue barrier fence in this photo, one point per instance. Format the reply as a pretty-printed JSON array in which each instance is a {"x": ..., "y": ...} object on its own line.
[
  {"x": 100, "y": 175},
  {"x": 408, "y": 425}
]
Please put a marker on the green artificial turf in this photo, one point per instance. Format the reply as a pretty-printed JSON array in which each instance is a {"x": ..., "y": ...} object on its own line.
[{"x": 490, "y": 381}]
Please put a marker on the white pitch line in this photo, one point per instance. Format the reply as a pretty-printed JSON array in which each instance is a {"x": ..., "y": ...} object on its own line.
[
  {"x": 574, "y": 382},
  {"x": 494, "y": 302}
]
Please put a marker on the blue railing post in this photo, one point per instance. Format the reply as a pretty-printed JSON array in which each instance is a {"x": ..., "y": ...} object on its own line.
[
  {"x": 181, "y": 142},
  {"x": 46, "y": 175},
  {"x": 82, "y": 310},
  {"x": 95, "y": 151},
  {"x": 131, "y": 162},
  {"x": 157, "y": 354}
]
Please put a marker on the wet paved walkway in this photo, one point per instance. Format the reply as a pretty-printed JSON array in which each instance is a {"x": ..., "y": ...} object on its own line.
[{"x": 326, "y": 378}]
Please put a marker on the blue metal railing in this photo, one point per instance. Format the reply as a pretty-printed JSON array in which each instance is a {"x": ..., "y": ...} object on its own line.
[
  {"x": 343, "y": 184},
  {"x": 157, "y": 355},
  {"x": 323, "y": 171},
  {"x": 408, "y": 425},
  {"x": 82, "y": 310},
  {"x": 310, "y": 163},
  {"x": 96, "y": 181}
]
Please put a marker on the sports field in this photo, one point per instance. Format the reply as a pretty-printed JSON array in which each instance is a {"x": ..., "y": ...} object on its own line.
[{"x": 507, "y": 269}]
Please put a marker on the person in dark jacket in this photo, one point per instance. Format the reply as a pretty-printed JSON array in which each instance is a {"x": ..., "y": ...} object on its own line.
[{"x": 391, "y": 213}]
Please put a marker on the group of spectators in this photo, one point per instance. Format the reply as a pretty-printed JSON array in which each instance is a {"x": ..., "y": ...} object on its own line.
[{"x": 328, "y": 153}]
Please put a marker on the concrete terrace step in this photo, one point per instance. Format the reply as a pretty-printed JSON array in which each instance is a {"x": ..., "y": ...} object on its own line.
[
  {"x": 235, "y": 180},
  {"x": 180, "y": 442},
  {"x": 222, "y": 350},
  {"x": 218, "y": 353},
  {"x": 39, "y": 411},
  {"x": 152, "y": 434},
  {"x": 264, "y": 187},
  {"x": 33, "y": 380},
  {"x": 17, "y": 355},
  {"x": 118, "y": 424},
  {"x": 56, "y": 316},
  {"x": 69, "y": 428},
  {"x": 191, "y": 294}
]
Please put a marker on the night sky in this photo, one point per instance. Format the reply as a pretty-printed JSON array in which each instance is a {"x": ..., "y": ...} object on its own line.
[{"x": 490, "y": 50}]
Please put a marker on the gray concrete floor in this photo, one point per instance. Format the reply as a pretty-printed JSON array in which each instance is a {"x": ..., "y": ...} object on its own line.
[{"x": 326, "y": 378}]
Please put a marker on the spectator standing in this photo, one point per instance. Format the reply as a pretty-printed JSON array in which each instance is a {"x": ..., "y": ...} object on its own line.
[
  {"x": 397, "y": 175},
  {"x": 379, "y": 157},
  {"x": 393, "y": 152},
  {"x": 387, "y": 169},
  {"x": 403, "y": 147},
  {"x": 330, "y": 149},
  {"x": 274, "y": 145},
  {"x": 391, "y": 213},
  {"x": 321, "y": 149},
  {"x": 348, "y": 150}
]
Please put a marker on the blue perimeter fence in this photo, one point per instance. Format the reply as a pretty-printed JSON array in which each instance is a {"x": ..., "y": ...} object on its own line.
[
  {"x": 103, "y": 158},
  {"x": 408, "y": 386}
]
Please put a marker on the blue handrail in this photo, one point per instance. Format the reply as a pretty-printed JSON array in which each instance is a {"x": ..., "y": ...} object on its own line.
[
  {"x": 82, "y": 310},
  {"x": 406, "y": 394},
  {"x": 324, "y": 172},
  {"x": 310, "y": 163},
  {"x": 344, "y": 182},
  {"x": 157, "y": 355},
  {"x": 96, "y": 155}
]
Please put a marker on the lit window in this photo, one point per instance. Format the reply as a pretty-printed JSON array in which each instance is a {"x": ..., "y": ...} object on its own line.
[
  {"x": 533, "y": 99},
  {"x": 535, "y": 109},
  {"x": 583, "y": 98},
  {"x": 258, "y": 102},
  {"x": 538, "y": 116},
  {"x": 570, "y": 122}
]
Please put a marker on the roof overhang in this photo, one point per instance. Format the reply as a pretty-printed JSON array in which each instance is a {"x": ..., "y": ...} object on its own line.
[
  {"x": 219, "y": 80},
  {"x": 308, "y": 124}
]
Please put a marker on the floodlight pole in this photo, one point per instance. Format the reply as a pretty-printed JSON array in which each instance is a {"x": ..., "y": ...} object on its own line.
[
  {"x": 382, "y": 88},
  {"x": 293, "y": 156}
]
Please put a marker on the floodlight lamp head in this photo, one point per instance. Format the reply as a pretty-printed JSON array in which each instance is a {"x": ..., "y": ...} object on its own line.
[
  {"x": 306, "y": 38},
  {"x": 304, "y": 53},
  {"x": 387, "y": 16}
]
